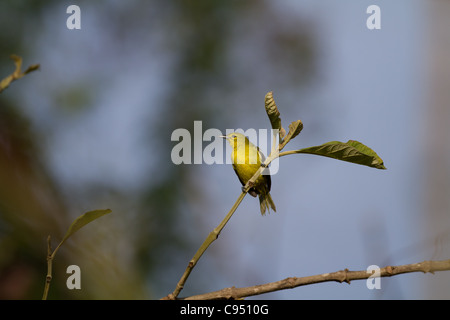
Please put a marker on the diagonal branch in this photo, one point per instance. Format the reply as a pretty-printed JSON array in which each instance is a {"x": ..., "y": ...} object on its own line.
[
  {"x": 215, "y": 233},
  {"x": 339, "y": 276}
]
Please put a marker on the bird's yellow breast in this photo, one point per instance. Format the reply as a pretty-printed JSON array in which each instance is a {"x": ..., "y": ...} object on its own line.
[{"x": 246, "y": 161}]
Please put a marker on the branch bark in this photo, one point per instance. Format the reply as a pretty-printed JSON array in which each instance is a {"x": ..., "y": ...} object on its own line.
[
  {"x": 339, "y": 276},
  {"x": 17, "y": 74}
]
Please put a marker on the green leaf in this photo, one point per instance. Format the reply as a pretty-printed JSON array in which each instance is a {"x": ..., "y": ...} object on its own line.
[
  {"x": 294, "y": 129},
  {"x": 351, "y": 151},
  {"x": 273, "y": 114},
  {"x": 83, "y": 220}
]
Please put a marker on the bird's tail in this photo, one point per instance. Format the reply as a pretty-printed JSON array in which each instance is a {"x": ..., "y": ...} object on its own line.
[{"x": 266, "y": 202}]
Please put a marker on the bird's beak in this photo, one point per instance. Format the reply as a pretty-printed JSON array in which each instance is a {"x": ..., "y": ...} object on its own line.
[{"x": 225, "y": 137}]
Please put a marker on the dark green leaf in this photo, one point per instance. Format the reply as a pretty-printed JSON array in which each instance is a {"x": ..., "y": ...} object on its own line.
[{"x": 351, "y": 151}]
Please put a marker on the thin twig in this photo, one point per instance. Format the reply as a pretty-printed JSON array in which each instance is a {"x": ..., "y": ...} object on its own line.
[
  {"x": 50, "y": 257},
  {"x": 48, "y": 278},
  {"x": 215, "y": 233},
  {"x": 17, "y": 74},
  {"x": 339, "y": 276},
  {"x": 210, "y": 239}
]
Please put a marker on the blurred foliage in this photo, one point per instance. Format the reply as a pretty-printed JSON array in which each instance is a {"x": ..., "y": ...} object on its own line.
[{"x": 141, "y": 249}]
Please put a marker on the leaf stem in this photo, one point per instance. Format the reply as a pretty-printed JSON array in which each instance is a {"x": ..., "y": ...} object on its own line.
[{"x": 285, "y": 153}]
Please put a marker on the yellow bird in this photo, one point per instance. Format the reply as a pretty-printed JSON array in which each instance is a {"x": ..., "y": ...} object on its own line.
[{"x": 247, "y": 159}]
